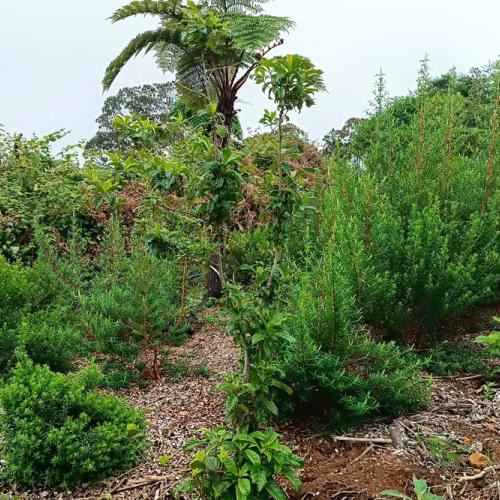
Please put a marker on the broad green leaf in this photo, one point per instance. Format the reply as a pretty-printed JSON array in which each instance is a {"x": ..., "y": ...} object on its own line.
[
  {"x": 253, "y": 457},
  {"x": 271, "y": 406},
  {"x": 294, "y": 479},
  {"x": 394, "y": 493},
  {"x": 275, "y": 491},
  {"x": 261, "y": 480},
  {"x": 230, "y": 466},
  {"x": 200, "y": 456},
  {"x": 211, "y": 463},
  {"x": 244, "y": 487}
]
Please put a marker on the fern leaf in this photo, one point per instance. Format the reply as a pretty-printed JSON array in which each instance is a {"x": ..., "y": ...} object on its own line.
[
  {"x": 241, "y": 6},
  {"x": 256, "y": 32},
  {"x": 146, "y": 7},
  {"x": 144, "y": 42}
]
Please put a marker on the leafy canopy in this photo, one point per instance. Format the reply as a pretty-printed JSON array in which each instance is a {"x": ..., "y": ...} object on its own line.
[{"x": 206, "y": 44}]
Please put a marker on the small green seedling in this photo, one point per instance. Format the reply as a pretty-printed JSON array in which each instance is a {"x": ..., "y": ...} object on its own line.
[
  {"x": 421, "y": 491},
  {"x": 164, "y": 460},
  {"x": 489, "y": 390}
]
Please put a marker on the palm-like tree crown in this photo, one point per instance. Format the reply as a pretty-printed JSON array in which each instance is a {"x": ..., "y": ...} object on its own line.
[{"x": 212, "y": 45}]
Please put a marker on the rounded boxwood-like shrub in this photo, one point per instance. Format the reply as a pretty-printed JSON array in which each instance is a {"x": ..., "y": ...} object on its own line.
[{"x": 57, "y": 431}]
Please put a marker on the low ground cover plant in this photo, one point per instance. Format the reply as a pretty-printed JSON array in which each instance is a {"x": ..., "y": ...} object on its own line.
[{"x": 453, "y": 358}]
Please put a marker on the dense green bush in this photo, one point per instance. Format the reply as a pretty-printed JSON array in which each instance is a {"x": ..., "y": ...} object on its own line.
[
  {"x": 414, "y": 222},
  {"x": 132, "y": 304},
  {"x": 245, "y": 251},
  {"x": 33, "y": 320},
  {"x": 367, "y": 380},
  {"x": 47, "y": 337},
  {"x": 57, "y": 432},
  {"x": 16, "y": 292},
  {"x": 37, "y": 186},
  {"x": 411, "y": 266},
  {"x": 336, "y": 370}
]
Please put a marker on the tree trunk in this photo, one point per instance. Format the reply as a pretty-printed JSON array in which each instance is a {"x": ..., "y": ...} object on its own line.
[{"x": 215, "y": 276}]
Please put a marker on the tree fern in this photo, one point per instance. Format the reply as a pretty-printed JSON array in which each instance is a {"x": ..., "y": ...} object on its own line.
[
  {"x": 255, "y": 32},
  {"x": 184, "y": 45}
]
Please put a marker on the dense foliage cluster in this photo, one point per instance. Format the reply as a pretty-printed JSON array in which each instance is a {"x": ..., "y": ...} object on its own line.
[
  {"x": 332, "y": 266},
  {"x": 38, "y": 187},
  {"x": 59, "y": 432},
  {"x": 415, "y": 221}
]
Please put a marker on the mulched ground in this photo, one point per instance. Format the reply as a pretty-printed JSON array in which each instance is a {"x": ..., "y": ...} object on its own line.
[{"x": 334, "y": 469}]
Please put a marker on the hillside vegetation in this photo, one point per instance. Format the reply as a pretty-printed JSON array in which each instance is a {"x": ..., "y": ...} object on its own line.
[{"x": 335, "y": 270}]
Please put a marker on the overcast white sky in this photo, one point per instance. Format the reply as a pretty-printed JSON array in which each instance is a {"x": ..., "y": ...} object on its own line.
[{"x": 54, "y": 52}]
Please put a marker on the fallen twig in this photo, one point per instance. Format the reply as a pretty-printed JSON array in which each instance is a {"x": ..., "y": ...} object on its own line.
[
  {"x": 149, "y": 481},
  {"x": 340, "y": 493},
  {"x": 359, "y": 457},
  {"x": 376, "y": 440},
  {"x": 481, "y": 474}
]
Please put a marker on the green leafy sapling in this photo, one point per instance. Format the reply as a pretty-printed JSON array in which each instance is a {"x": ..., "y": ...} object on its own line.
[
  {"x": 421, "y": 490},
  {"x": 242, "y": 461},
  {"x": 235, "y": 465},
  {"x": 258, "y": 331},
  {"x": 291, "y": 82}
]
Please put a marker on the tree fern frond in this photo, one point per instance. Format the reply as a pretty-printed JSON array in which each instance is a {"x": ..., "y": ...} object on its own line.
[
  {"x": 256, "y": 32},
  {"x": 167, "y": 57},
  {"x": 146, "y": 7},
  {"x": 241, "y": 6},
  {"x": 192, "y": 82},
  {"x": 145, "y": 41}
]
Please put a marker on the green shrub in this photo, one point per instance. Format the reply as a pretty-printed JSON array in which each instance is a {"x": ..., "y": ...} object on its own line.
[
  {"x": 37, "y": 187},
  {"x": 116, "y": 376},
  {"x": 57, "y": 432},
  {"x": 241, "y": 465},
  {"x": 366, "y": 381},
  {"x": 15, "y": 293},
  {"x": 9, "y": 341},
  {"x": 48, "y": 338},
  {"x": 413, "y": 222},
  {"x": 336, "y": 370},
  {"x": 412, "y": 263},
  {"x": 32, "y": 320},
  {"x": 132, "y": 305},
  {"x": 452, "y": 358}
]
